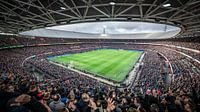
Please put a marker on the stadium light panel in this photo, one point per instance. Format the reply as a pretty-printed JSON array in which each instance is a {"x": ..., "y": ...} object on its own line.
[
  {"x": 112, "y": 3},
  {"x": 167, "y": 5},
  {"x": 63, "y": 8}
]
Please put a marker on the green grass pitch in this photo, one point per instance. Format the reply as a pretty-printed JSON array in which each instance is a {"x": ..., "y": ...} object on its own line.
[{"x": 108, "y": 63}]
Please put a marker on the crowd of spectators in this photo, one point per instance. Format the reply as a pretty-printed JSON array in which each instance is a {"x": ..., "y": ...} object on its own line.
[
  {"x": 152, "y": 64},
  {"x": 62, "y": 90},
  {"x": 190, "y": 42}
]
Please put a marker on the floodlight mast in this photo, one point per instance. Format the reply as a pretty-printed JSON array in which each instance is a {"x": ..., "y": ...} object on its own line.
[
  {"x": 165, "y": 29},
  {"x": 104, "y": 31}
]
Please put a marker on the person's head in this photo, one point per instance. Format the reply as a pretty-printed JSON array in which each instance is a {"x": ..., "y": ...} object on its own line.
[
  {"x": 10, "y": 88},
  {"x": 188, "y": 107},
  {"x": 124, "y": 101},
  {"x": 154, "y": 108},
  {"x": 131, "y": 109},
  {"x": 72, "y": 95},
  {"x": 85, "y": 97},
  {"x": 98, "y": 102},
  {"x": 137, "y": 101},
  {"x": 170, "y": 93},
  {"x": 182, "y": 92},
  {"x": 46, "y": 95},
  {"x": 56, "y": 97},
  {"x": 148, "y": 92},
  {"x": 23, "y": 99},
  {"x": 49, "y": 89},
  {"x": 154, "y": 92}
]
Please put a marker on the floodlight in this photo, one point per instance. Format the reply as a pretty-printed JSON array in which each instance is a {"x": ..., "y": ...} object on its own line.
[{"x": 167, "y": 5}]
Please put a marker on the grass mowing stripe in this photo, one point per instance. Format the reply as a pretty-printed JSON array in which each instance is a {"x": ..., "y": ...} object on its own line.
[
  {"x": 77, "y": 58},
  {"x": 109, "y": 68},
  {"x": 94, "y": 54},
  {"x": 107, "y": 63},
  {"x": 85, "y": 54},
  {"x": 124, "y": 70},
  {"x": 89, "y": 61},
  {"x": 116, "y": 69},
  {"x": 101, "y": 62}
]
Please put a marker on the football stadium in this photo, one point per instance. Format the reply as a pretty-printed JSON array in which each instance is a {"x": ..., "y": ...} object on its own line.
[{"x": 99, "y": 55}]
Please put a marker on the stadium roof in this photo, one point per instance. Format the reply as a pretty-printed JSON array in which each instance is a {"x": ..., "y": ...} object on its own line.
[{"x": 23, "y": 15}]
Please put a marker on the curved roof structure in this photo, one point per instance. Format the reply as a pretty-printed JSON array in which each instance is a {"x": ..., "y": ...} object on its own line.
[{"x": 23, "y": 15}]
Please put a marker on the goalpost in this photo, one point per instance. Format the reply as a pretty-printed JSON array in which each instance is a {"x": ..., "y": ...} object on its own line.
[{"x": 71, "y": 64}]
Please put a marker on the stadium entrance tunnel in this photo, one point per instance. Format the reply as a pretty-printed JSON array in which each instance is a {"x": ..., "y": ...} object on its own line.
[{"x": 108, "y": 30}]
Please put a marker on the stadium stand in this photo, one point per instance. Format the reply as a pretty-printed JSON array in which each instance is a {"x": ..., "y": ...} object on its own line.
[{"x": 58, "y": 89}]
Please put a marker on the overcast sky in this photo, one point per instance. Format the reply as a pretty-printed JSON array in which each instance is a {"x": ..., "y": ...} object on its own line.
[{"x": 116, "y": 27}]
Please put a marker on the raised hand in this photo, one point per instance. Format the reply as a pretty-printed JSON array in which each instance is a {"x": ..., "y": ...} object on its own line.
[
  {"x": 110, "y": 105},
  {"x": 92, "y": 104}
]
